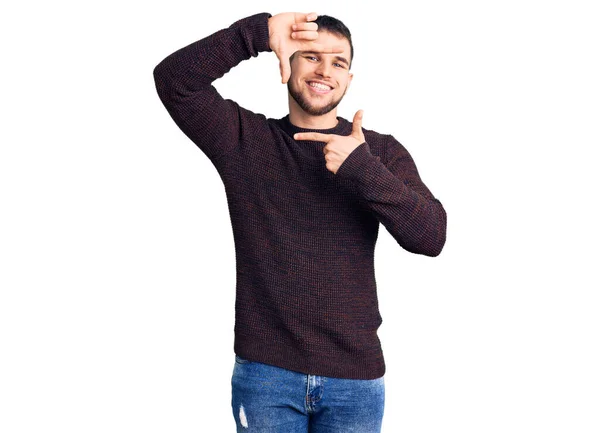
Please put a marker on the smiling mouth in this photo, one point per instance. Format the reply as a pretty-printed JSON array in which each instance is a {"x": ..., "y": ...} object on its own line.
[{"x": 319, "y": 87}]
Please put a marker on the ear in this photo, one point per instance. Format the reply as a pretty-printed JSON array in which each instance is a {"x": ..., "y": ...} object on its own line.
[{"x": 350, "y": 76}]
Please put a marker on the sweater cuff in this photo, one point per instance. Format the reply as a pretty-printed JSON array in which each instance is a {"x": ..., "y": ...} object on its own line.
[
  {"x": 360, "y": 165},
  {"x": 257, "y": 26}
]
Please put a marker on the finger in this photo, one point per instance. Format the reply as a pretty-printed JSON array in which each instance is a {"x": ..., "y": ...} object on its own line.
[
  {"x": 284, "y": 70},
  {"x": 357, "y": 123},
  {"x": 311, "y": 16},
  {"x": 312, "y": 136},
  {"x": 327, "y": 49},
  {"x": 305, "y": 26},
  {"x": 302, "y": 18},
  {"x": 308, "y": 35}
]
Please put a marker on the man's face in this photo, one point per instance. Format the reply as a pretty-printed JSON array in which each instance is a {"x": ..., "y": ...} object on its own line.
[{"x": 319, "y": 81}]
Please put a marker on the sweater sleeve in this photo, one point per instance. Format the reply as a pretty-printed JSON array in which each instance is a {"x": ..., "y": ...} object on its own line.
[
  {"x": 184, "y": 84},
  {"x": 398, "y": 198}
]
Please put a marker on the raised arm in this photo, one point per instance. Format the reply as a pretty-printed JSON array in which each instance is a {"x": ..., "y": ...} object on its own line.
[
  {"x": 184, "y": 84},
  {"x": 184, "y": 79}
]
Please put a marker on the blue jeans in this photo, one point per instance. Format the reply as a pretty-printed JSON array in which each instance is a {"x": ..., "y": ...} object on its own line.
[{"x": 269, "y": 399}]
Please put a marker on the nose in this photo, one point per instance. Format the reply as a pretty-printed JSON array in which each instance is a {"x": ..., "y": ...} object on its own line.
[{"x": 324, "y": 69}]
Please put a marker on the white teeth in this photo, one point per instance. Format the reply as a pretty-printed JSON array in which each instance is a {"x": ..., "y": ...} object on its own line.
[{"x": 319, "y": 86}]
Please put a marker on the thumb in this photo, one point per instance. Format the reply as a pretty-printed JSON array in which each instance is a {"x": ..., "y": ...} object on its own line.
[
  {"x": 284, "y": 69},
  {"x": 357, "y": 124}
]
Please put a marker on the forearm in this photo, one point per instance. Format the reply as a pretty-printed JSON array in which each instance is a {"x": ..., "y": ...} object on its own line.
[
  {"x": 184, "y": 83},
  {"x": 415, "y": 219},
  {"x": 199, "y": 64}
]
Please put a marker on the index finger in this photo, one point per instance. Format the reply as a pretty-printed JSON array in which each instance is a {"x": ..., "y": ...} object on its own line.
[
  {"x": 326, "y": 49},
  {"x": 313, "y": 136}
]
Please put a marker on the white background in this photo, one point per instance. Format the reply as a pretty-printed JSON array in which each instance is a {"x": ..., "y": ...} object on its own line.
[{"x": 117, "y": 268}]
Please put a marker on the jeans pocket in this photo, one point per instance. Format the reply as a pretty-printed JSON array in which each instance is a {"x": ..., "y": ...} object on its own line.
[{"x": 241, "y": 360}]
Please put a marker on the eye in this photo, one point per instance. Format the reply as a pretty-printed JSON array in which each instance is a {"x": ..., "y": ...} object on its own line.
[
  {"x": 312, "y": 58},
  {"x": 338, "y": 65}
]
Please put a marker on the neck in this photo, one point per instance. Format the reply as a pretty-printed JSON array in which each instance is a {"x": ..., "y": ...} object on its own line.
[{"x": 302, "y": 119}]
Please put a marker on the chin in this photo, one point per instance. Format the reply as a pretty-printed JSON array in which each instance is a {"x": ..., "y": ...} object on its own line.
[{"x": 304, "y": 101}]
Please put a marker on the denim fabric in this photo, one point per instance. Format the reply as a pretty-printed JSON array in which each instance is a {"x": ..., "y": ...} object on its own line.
[{"x": 269, "y": 399}]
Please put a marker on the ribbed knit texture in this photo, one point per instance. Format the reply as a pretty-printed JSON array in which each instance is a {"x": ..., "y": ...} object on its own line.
[{"x": 306, "y": 296}]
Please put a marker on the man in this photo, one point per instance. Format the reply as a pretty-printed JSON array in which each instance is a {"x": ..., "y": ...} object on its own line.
[{"x": 306, "y": 194}]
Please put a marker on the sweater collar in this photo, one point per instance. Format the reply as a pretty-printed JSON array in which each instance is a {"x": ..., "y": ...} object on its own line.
[{"x": 343, "y": 127}]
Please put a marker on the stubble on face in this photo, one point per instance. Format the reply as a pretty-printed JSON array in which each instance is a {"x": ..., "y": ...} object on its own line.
[{"x": 306, "y": 105}]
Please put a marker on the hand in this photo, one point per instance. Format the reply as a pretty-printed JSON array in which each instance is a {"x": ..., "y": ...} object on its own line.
[
  {"x": 337, "y": 147},
  {"x": 293, "y": 31}
]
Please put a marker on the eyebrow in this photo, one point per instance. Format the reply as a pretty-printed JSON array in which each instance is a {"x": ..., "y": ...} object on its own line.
[{"x": 339, "y": 58}]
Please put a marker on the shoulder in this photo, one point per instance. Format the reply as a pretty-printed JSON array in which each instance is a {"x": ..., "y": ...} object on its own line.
[
  {"x": 386, "y": 146},
  {"x": 251, "y": 122}
]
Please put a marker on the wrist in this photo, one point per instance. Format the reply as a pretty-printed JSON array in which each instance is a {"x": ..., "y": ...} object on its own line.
[{"x": 270, "y": 25}]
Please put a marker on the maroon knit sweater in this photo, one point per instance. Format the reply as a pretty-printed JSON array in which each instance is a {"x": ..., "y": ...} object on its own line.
[{"x": 306, "y": 296}]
